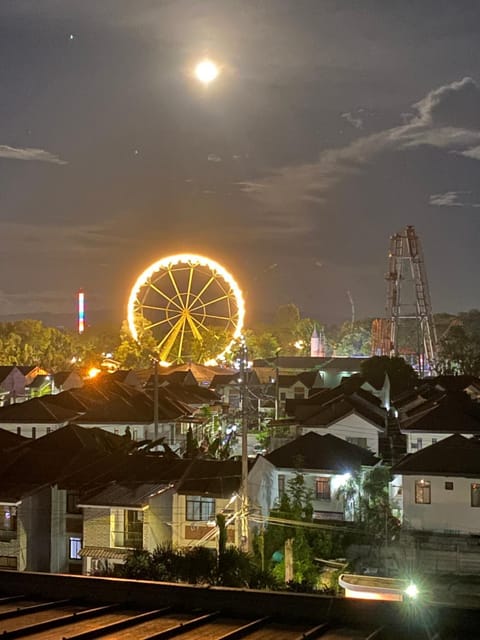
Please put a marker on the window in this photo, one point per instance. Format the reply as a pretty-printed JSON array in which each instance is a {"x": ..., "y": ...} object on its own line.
[
  {"x": 299, "y": 393},
  {"x": 34, "y": 433},
  {"x": 127, "y": 528},
  {"x": 8, "y": 562},
  {"x": 322, "y": 489},
  {"x": 8, "y": 518},
  {"x": 283, "y": 396},
  {"x": 75, "y": 545},
  {"x": 475, "y": 494},
  {"x": 72, "y": 500},
  {"x": 281, "y": 485},
  {"x": 360, "y": 442},
  {"x": 19, "y": 431},
  {"x": 49, "y": 429},
  {"x": 448, "y": 486},
  {"x": 200, "y": 509},
  {"x": 422, "y": 492},
  {"x": 434, "y": 440}
]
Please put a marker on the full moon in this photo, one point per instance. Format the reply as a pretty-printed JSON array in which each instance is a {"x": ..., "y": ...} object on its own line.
[{"x": 206, "y": 71}]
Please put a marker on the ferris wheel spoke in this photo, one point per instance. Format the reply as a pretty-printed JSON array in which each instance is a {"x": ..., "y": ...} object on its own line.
[
  {"x": 154, "y": 308},
  {"x": 167, "y": 343},
  {"x": 189, "y": 287},
  {"x": 180, "y": 344},
  {"x": 206, "y": 304},
  {"x": 164, "y": 295},
  {"x": 214, "y": 317},
  {"x": 157, "y": 324},
  {"x": 211, "y": 280},
  {"x": 175, "y": 286},
  {"x": 196, "y": 333}
]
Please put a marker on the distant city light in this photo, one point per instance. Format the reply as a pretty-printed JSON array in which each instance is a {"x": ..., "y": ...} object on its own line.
[
  {"x": 93, "y": 372},
  {"x": 206, "y": 71}
]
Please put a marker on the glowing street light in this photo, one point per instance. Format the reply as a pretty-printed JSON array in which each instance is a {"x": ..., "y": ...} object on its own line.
[{"x": 206, "y": 71}]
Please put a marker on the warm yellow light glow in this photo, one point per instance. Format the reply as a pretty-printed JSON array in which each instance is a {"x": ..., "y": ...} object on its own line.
[
  {"x": 93, "y": 372},
  {"x": 299, "y": 344},
  {"x": 188, "y": 303},
  {"x": 206, "y": 71}
]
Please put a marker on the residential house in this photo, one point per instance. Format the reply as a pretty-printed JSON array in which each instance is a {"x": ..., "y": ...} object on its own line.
[
  {"x": 66, "y": 380},
  {"x": 12, "y": 384},
  {"x": 438, "y": 488},
  {"x": 347, "y": 411},
  {"x": 441, "y": 487},
  {"x": 439, "y": 408},
  {"x": 326, "y": 463},
  {"x": 40, "y": 524},
  {"x": 36, "y": 417},
  {"x": 156, "y": 501}
]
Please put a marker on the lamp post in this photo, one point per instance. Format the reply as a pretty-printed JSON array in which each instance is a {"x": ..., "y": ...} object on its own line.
[{"x": 277, "y": 386}]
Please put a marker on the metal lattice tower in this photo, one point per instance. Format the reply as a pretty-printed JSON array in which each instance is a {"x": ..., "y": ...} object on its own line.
[{"x": 408, "y": 297}]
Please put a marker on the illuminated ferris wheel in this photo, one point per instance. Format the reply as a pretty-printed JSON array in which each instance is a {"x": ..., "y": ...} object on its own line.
[{"x": 190, "y": 304}]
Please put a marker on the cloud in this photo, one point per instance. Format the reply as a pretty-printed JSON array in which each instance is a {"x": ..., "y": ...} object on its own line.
[
  {"x": 39, "y": 155},
  {"x": 447, "y": 118},
  {"x": 354, "y": 121},
  {"x": 452, "y": 199}
]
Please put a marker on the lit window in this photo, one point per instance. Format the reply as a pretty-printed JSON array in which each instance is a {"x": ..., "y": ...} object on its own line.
[
  {"x": 8, "y": 518},
  {"x": 75, "y": 546},
  {"x": 200, "y": 509},
  {"x": 475, "y": 494},
  {"x": 322, "y": 489},
  {"x": 422, "y": 492}
]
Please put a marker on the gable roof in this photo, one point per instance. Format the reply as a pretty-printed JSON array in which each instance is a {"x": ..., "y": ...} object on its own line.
[
  {"x": 215, "y": 478},
  {"x": 36, "y": 411},
  {"x": 455, "y": 412},
  {"x": 453, "y": 456},
  {"x": 321, "y": 452},
  {"x": 9, "y": 439}
]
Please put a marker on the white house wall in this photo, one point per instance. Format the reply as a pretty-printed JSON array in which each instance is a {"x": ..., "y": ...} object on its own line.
[
  {"x": 351, "y": 426},
  {"x": 450, "y": 510},
  {"x": 417, "y": 440},
  {"x": 157, "y": 529}
]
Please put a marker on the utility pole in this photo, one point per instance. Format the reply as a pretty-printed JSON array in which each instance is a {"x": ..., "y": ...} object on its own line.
[
  {"x": 155, "y": 398},
  {"x": 244, "y": 423},
  {"x": 277, "y": 386}
]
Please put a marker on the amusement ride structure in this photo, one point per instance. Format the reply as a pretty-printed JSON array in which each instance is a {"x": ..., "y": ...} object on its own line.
[
  {"x": 182, "y": 300},
  {"x": 408, "y": 305}
]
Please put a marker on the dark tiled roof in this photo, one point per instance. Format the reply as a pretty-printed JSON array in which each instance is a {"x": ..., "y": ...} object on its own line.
[
  {"x": 61, "y": 377},
  {"x": 455, "y": 412},
  {"x": 36, "y": 411},
  {"x": 216, "y": 478},
  {"x": 133, "y": 496},
  {"x": 5, "y": 370},
  {"x": 307, "y": 362},
  {"x": 9, "y": 439},
  {"x": 453, "y": 456},
  {"x": 326, "y": 453},
  {"x": 330, "y": 405},
  {"x": 220, "y": 380}
]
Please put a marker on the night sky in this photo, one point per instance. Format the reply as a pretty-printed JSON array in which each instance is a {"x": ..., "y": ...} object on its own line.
[{"x": 332, "y": 126}]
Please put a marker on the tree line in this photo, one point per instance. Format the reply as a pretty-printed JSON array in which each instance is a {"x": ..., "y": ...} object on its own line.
[{"x": 27, "y": 342}]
